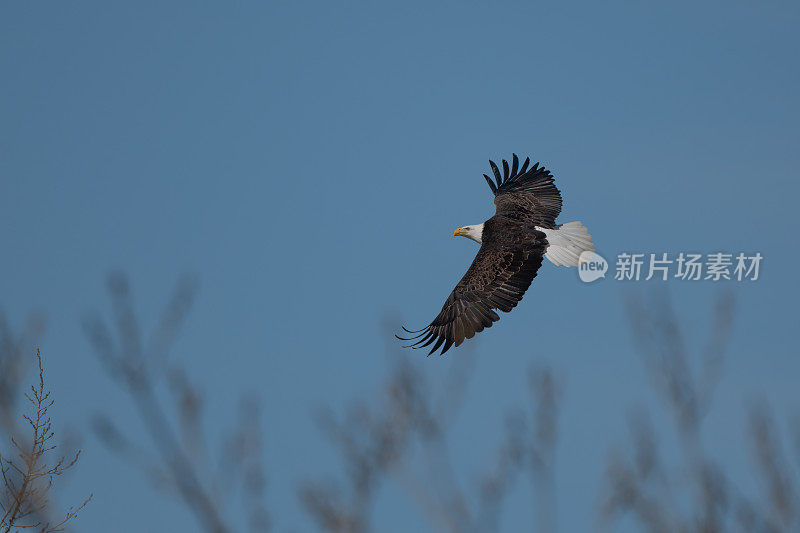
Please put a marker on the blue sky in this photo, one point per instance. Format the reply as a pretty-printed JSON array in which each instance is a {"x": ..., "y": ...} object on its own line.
[{"x": 308, "y": 163}]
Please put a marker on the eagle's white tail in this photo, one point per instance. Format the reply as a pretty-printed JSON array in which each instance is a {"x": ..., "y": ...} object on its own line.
[{"x": 566, "y": 243}]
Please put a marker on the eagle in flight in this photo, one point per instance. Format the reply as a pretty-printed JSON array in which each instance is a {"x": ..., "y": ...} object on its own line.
[{"x": 513, "y": 243}]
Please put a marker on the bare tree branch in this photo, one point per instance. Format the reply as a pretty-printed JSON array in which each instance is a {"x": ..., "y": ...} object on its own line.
[
  {"x": 181, "y": 461},
  {"x": 27, "y": 480}
]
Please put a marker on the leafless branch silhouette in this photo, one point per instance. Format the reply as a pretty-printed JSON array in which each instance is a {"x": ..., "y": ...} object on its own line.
[
  {"x": 404, "y": 439},
  {"x": 654, "y": 492},
  {"x": 403, "y": 436},
  {"x": 181, "y": 463},
  {"x": 14, "y": 363},
  {"x": 28, "y": 478}
]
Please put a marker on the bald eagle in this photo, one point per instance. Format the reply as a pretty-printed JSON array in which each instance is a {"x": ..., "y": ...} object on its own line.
[{"x": 513, "y": 243}]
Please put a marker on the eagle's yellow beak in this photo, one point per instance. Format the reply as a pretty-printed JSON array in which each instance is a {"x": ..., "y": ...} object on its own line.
[{"x": 459, "y": 231}]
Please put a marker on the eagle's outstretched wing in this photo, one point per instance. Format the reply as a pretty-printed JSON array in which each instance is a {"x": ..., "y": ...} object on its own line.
[
  {"x": 497, "y": 279},
  {"x": 525, "y": 195}
]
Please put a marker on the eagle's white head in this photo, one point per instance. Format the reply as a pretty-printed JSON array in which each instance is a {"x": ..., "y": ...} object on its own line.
[{"x": 474, "y": 232}]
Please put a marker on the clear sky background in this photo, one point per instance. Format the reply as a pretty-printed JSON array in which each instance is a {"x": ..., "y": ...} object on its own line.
[{"x": 309, "y": 161}]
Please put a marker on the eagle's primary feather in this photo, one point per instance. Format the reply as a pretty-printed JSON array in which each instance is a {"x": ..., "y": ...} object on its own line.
[
  {"x": 511, "y": 253},
  {"x": 527, "y": 196}
]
